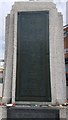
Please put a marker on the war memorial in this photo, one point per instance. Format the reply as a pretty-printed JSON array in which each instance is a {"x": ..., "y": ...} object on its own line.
[{"x": 34, "y": 76}]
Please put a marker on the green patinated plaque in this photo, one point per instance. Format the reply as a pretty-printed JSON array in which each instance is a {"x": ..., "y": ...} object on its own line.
[{"x": 33, "y": 61}]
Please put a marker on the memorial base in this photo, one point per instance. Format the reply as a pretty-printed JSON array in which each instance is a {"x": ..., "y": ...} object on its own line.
[{"x": 32, "y": 113}]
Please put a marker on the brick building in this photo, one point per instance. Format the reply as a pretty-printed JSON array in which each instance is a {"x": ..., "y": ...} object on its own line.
[{"x": 66, "y": 53}]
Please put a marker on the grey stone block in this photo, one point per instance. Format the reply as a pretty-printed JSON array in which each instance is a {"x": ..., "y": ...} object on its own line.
[{"x": 32, "y": 113}]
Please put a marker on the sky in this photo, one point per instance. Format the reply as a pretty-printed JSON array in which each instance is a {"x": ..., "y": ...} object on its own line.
[{"x": 5, "y": 7}]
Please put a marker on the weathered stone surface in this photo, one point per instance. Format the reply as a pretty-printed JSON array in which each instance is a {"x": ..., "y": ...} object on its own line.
[{"x": 57, "y": 65}]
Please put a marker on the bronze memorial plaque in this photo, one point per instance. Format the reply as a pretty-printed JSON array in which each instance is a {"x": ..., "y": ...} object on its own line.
[{"x": 33, "y": 58}]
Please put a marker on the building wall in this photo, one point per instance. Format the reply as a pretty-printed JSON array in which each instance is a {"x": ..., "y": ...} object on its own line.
[
  {"x": 66, "y": 41},
  {"x": 66, "y": 55}
]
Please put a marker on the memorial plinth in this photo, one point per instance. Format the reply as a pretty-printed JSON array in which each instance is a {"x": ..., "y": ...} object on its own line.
[{"x": 35, "y": 69}]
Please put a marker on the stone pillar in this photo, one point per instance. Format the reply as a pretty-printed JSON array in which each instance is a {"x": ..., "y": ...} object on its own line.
[
  {"x": 9, "y": 56},
  {"x": 67, "y": 12}
]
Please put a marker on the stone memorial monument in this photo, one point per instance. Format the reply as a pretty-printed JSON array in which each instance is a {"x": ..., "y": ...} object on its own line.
[{"x": 34, "y": 55}]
